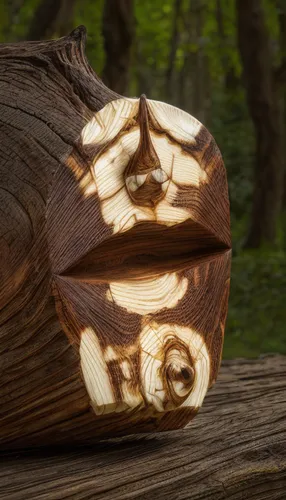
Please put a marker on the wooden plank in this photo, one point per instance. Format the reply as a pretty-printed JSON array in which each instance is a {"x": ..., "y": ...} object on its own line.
[{"x": 235, "y": 449}]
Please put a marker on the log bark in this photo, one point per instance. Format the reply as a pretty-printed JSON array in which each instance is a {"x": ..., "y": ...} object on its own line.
[
  {"x": 235, "y": 449},
  {"x": 254, "y": 45}
]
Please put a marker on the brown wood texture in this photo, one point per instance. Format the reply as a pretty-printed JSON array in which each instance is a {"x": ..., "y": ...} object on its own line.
[
  {"x": 115, "y": 254},
  {"x": 235, "y": 449}
]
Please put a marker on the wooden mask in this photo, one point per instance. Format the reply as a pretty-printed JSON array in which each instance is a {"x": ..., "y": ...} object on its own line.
[{"x": 133, "y": 248}]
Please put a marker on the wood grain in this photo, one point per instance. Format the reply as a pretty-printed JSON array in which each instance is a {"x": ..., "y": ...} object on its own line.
[
  {"x": 115, "y": 254},
  {"x": 235, "y": 449},
  {"x": 163, "y": 252}
]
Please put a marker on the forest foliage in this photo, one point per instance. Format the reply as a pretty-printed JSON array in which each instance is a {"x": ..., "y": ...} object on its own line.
[{"x": 189, "y": 53}]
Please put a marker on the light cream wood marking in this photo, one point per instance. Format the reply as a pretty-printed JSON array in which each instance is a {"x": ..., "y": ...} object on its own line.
[
  {"x": 149, "y": 295},
  {"x": 179, "y": 124},
  {"x": 174, "y": 370},
  {"x": 118, "y": 122},
  {"x": 110, "y": 354},
  {"x": 118, "y": 209},
  {"x": 189, "y": 352},
  {"x": 131, "y": 396},
  {"x": 87, "y": 185},
  {"x": 120, "y": 212},
  {"x": 135, "y": 181},
  {"x": 109, "y": 121},
  {"x": 95, "y": 373},
  {"x": 181, "y": 167},
  {"x": 125, "y": 367}
]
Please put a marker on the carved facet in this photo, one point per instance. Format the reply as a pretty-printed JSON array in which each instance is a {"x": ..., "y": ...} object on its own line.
[
  {"x": 144, "y": 168},
  {"x": 146, "y": 340}
]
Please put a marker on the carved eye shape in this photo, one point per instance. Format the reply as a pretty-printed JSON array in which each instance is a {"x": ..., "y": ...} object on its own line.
[
  {"x": 179, "y": 375},
  {"x": 133, "y": 182},
  {"x": 140, "y": 179},
  {"x": 159, "y": 175}
]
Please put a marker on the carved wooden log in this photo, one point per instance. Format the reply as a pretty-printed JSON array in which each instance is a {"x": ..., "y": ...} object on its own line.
[{"x": 115, "y": 253}]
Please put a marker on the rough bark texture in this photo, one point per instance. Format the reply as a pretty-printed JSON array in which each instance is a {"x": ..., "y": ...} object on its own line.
[
  {"x": 256, "y": 58},
  {"x": 118, "y": 25},
  {"x": 235, "y": 449}
]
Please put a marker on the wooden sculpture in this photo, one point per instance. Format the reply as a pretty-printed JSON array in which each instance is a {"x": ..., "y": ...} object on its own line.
[{"x": 115, "y": 254}]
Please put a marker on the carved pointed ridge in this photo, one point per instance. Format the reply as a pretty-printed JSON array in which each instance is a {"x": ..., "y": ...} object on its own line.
[{"x": 144, "y": 176}]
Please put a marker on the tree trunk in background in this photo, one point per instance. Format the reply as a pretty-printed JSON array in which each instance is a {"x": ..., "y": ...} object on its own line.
[
  {"x": 64, "y": 23},
  {"x": 44, "y": 18},
  {"x": 13, "y": 8},
  {"x": 194, "y": 80},
  {"x": 263, "y": 106},
  {"x": 52, "y": 16},
  {"x": 282, "y": 24},
  {"x": 144, "y": 80},
  {"x": 173, "y": 50},
  {"x": 118, "y": 27},
  {"x": 231, "y": 81},
  {"x": 199, "y": 71}
]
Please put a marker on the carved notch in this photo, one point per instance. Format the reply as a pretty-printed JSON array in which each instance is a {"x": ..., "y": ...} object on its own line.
[{"x": 144, "y": 176}]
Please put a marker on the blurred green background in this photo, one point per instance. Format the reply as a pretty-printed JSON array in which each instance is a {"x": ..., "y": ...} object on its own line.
[{"x": 225, "y": 63}]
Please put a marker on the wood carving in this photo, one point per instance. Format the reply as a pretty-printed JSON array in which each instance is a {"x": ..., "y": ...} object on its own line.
[{"x": 115, "y": 253}]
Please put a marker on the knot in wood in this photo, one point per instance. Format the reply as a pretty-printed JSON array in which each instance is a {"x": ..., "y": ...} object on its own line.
[{"x": 179, "y": 373}]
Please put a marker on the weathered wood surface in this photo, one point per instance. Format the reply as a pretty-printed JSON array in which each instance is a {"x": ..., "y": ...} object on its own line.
[
  {"x": 114, "y": 254},
  {"x": 235, "y": 449}
]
